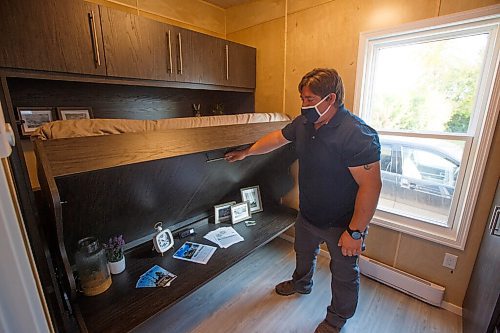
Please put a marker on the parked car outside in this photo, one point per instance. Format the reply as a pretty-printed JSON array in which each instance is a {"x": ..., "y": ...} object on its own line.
[{"x": 418, "y": 178}]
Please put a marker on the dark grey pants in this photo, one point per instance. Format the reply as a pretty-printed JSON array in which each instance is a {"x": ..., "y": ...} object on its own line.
[{"x": 345, "y": 271}]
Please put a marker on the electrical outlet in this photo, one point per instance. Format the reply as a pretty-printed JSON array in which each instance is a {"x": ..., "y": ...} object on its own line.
[{"x": 450, "y": 261}]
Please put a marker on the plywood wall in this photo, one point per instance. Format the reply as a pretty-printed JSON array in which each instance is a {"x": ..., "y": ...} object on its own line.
[
  {"x": 196, "y": 15},
  {"x": 261, "y": 24},
  {"x": 317, "y": 33}
]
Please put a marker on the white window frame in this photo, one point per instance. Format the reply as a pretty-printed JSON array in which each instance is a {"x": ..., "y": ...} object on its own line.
[{"x": 481, "y": 129}]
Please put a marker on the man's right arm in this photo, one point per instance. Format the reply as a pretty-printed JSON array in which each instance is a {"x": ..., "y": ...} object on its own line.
[{"x": 266, "y": 144}]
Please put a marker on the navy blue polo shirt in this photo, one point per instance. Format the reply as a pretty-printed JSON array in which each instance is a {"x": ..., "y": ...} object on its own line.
[{"x": 327, "y": 190}]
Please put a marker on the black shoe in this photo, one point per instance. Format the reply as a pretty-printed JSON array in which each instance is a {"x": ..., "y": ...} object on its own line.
[
  {"x": 287, "y": 288},
  {"x": 324, "y": 327}
]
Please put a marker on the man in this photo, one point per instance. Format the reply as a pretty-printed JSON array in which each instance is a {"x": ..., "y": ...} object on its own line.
[{"x": 339, "y": 186}]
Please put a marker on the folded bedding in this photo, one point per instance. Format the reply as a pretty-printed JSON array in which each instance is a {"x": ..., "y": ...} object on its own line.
[{"x": 93, "y": 127}]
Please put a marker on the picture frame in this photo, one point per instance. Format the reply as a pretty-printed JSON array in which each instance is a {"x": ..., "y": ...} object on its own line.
[
  {"x": 240, "y": 212},
  {"x": 252, "y": 195},
  {"x": 33, "y": 117},
  {"x": 223, "y": 212},
  {"x": 74, "y": 113}
]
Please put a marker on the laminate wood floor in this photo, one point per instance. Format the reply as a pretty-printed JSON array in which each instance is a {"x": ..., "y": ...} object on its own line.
[{"x": 242, "y": 300}]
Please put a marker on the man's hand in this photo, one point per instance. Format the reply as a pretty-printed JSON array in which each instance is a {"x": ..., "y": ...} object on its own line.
[
  {"x": 266, "y": 144},
  {"x": 350, "y": 246},
  {"x": 236, "y": 155}
]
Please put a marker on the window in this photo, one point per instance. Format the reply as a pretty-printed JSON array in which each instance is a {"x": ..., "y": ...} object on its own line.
[
  {"x": 427, "y": 88},
  {"x": 422, "y": 182}
]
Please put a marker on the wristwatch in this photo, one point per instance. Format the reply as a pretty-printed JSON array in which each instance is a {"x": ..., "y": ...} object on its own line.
[{"x": 355, "y": 234}]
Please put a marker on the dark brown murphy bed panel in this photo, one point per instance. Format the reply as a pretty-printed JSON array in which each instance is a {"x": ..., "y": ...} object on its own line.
[{"x": 125, "y": 183}]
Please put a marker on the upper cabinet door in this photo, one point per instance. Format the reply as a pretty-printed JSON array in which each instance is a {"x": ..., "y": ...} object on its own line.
[
  {"x": 51, "y": 35},
  {"x": 199, "y": 57},
  {"x": 240, "y": 65},
  {"x": 136, "y": 47}
]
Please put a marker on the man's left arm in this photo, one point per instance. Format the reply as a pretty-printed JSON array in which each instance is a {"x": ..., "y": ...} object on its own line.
[{"x": 368, "y": 179}]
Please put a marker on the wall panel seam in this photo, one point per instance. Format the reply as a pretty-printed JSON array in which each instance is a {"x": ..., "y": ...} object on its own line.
[
  {"x": 284, "y": 57},
  {"x": 256, "y": 25},
  {"x": 308, "y": 8}
]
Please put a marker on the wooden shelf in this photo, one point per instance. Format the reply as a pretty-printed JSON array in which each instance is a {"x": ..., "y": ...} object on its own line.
[
  {"x": 123, "y": 307},
  {"x": 46, "y": 75},
  {"x": 77, "y": 155}
]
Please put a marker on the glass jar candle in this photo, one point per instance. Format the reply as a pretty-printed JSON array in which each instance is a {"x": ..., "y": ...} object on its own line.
[{"x": 91, "y": 264}]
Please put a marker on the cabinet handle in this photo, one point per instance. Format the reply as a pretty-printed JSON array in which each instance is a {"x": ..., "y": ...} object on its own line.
[
  {"x": 169, "y": 69},
  {"x": 180, "y": 53},
  {"x": 227, "y": 62},
  {"x": 95, "y": 44}
]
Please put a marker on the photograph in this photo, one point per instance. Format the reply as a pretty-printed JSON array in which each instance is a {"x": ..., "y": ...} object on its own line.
[
  {"x": 240, "y": 212},
  {"x": 74, "y": 113},
  {"x": 156, "y": 276},
  {"x": 223, "y": 212},
  {"x": 33, "y": 117},
  {"x": 252, "y": 195},
  {"x": 199, "y": 253}
]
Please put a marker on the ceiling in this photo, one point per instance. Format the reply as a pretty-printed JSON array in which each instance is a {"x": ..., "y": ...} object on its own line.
[{"x": 227, "y": 3}]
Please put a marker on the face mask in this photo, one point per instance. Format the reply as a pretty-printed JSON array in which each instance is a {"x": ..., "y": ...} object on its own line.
[{"x": 312, "y": 113}]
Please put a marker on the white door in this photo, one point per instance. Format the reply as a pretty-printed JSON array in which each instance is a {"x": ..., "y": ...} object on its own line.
[{"x": 22, "y": 306}]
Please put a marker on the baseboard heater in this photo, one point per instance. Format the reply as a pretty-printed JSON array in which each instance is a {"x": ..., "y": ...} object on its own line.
[{"x": 412, "y": 285}]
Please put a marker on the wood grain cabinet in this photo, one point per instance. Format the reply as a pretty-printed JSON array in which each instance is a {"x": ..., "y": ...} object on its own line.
[
  {"x": 205, "y": 59},
  {"x": 73, "y": 36},
  {"x": 135, "y": 47},
  {"x": 199, "y": 58},
  {"x": 240, "y": 65},
  {"x": 138, "y": 47},
  {"x": 51, "y": 35}
]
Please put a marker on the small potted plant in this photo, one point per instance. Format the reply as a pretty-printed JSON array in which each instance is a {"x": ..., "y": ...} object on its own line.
[{"x": 114, "y": 252}]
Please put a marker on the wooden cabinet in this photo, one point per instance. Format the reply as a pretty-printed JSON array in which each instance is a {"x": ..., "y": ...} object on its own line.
[
  {"x": 199, "y": 57},
  {"x": 52, "y": 35},
  {"x": 240, "y": 67},
  {"x": 138, "y": 47},
  {"x": 135, "y": 47},
  {"x": 74, "y": 36}
]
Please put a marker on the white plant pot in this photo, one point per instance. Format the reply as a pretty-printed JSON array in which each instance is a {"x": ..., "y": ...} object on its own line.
[{"x": 117, "y": 267}]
